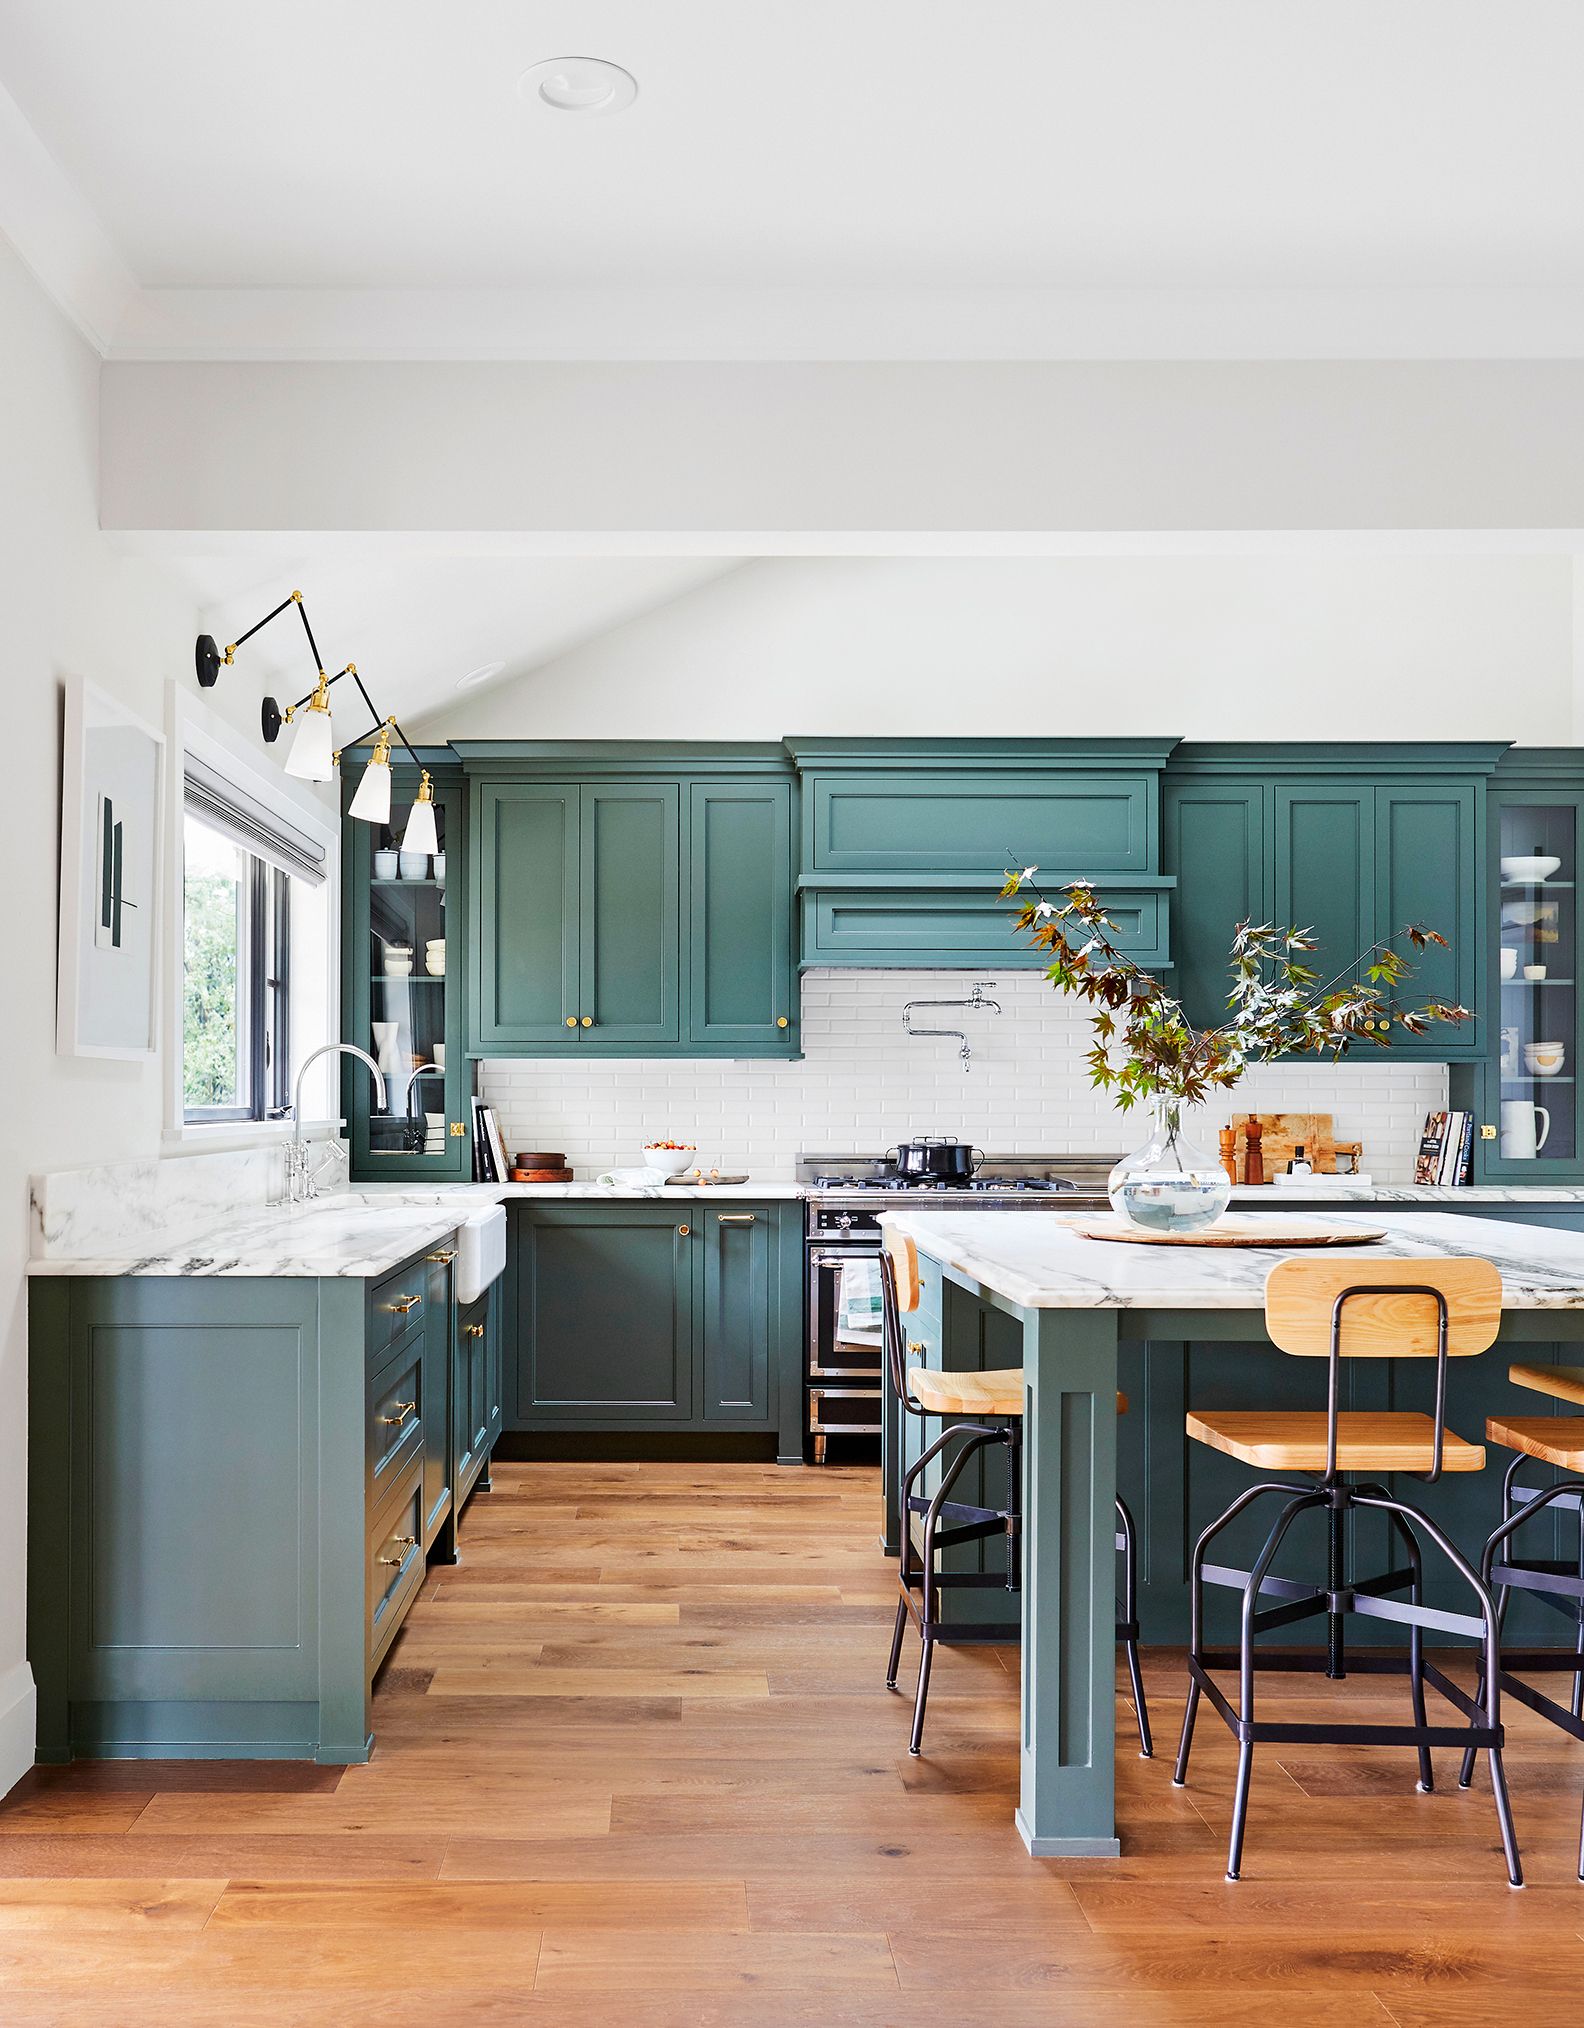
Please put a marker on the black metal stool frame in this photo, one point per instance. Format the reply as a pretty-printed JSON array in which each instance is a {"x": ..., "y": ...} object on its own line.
[
  {"x": 1556, "y": 1584},
  {"x": 1336, "y": 1599},
  {"x": 966, "y": 1523}
]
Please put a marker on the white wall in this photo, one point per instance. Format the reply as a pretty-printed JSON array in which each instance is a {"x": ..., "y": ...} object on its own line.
[
  {"x": 69, "y": 605},
  {"x": 862, "y": 1085},
  {"x": 1206, "y": 647}
]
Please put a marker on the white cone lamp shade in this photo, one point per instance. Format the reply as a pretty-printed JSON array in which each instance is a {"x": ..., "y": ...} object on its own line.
[
  {"x": 312, "y": 755},
  {"x": 420, "y": 833},
  {"x": 372, "y": 802}
]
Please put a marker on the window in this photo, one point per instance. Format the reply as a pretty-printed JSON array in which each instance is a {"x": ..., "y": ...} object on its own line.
[{"x": 236, "y": 914}]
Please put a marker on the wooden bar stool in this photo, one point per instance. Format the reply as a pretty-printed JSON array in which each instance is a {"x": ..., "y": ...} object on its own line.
[
  {"x": 995, "y": 1401},
  {"x": 1353, "y": 1309},
  {"x": 1556, "y": 1440}
]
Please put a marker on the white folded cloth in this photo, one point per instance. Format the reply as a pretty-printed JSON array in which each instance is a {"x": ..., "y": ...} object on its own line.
[{"x": 631, "y": 1179}]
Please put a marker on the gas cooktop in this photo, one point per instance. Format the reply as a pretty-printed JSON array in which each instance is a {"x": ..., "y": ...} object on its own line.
[{"x": 996, "y": 1176}]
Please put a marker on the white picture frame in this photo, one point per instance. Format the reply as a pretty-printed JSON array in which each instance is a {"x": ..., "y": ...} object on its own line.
[{"x": 111, "y": 879}]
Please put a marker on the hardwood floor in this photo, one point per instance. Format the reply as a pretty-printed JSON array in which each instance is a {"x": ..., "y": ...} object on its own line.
[{"x": 636, "y": 1765}]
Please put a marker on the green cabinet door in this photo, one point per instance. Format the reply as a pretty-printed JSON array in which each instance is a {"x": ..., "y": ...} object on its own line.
[
  {"x": 524, "y": 943},
  {"x": 628, "y": 972},
  {"x": 1215, "y": 844},
  {"x": 605, "y": 1307},
  {"x": 1426, "y": 871},
  {"x": 469, "y": 1396},
  {"x": 438, "y": 1406},
  {"x": 739, "y": 1298},
  {"x": 742, "y": 966},
  {"x": 1324, "y": 862}
]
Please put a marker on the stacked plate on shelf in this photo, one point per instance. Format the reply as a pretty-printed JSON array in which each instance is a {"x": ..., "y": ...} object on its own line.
[{"x": 434, "y": 1133}]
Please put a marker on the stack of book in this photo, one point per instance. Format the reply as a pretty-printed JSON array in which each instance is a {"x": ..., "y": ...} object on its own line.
[
  {"x": 1446, "y": 1148},
  {"x": 489, "y": 1147}
]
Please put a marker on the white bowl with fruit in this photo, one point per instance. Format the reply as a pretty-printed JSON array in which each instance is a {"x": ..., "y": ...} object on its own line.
[{"x": 669, "y": 1158}]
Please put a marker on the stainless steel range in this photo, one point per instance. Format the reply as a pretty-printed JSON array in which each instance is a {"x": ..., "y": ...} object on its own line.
[{"x": 846, "y": 1197}]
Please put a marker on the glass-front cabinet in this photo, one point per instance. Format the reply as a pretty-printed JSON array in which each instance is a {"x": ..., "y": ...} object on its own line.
[
  {"x": 1526, "y": 1091},
  {"x": 402, "y": 991}
]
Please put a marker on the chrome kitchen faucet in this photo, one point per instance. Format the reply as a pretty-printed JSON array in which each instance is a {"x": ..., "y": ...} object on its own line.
[{"x": 976, "y": 999}]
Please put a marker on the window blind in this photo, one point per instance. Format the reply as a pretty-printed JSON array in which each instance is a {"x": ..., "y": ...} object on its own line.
[{"x": 251, "y": 824}]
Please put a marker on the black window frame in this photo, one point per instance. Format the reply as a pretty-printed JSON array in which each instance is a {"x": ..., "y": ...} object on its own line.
[{"x": 265, "y": 992}]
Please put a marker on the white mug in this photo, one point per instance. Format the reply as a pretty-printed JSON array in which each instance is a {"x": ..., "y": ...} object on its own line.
[{"x": 1519, "y": 1140}]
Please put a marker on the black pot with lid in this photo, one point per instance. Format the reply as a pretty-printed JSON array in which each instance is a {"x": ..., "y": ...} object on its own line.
[{"x": 934, "y": 1160}]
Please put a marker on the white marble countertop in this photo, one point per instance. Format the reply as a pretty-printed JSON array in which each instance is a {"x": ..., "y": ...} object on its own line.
[
  {"x": 362, "y": 1233},
  {"x": 1037, "y": 1260},
  {"x": 1341, "y": 1190}
]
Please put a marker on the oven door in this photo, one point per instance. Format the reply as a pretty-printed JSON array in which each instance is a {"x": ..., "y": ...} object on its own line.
[{"x": 845, "y": 1332}]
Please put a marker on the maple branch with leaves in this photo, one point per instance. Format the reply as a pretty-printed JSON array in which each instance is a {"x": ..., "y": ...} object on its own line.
[{"x": 1145, "y": 1046}]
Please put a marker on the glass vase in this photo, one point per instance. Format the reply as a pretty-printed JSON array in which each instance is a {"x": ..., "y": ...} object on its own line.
[{"x": 1170, "y": 1184}]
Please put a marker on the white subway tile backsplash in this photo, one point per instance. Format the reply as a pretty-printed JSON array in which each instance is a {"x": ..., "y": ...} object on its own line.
[{"x": 862, "y": 1085}]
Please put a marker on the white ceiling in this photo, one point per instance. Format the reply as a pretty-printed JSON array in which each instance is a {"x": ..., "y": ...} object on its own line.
[
  {"x": 414, "y": 623},
  {"x": 835, "y": 175}
]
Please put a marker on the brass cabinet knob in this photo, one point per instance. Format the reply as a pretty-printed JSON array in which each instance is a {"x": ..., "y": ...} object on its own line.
[
  {"x": 782, "y": 1021},
  {"x": 401, "y": 1544},
  {"x": 474, "y": 1330},
  {"x": 683, "y": 1231},
  {"x": 457, "y": 1130},
  {"x": 588, "y": 1020},
  {"x": 917, "y": 1345},
  {"x": 1487, "y": 1131},
  {"x": 406, "y": 1303},
  {"x": 571, "y": 1021},
  {"x": 403, "y": 1410}
]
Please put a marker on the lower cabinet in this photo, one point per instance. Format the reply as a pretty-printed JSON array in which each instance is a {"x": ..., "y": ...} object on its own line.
[
  {"x": 680, "y": 1315},
  {"x": 475, "y": 1392},
  {"x": 234, "y": 1483}
]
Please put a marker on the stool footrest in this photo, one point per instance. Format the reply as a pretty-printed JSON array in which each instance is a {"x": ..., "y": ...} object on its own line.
[
  {"x": 1526, "y": 1693},
  {"x": 1548, "y": 1581},
  {"x": 1274, "y": 1732},
  {"x": 1524, "y": 1494}
]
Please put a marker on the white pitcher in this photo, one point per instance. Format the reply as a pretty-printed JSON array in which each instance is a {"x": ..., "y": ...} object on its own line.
[{"x": 1520, "y": 1142}]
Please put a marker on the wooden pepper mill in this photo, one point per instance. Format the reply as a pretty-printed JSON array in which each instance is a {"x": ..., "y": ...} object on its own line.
[
  {"x": 1228, "y": 1138},
  {"x": 1254, "y": 1155}
]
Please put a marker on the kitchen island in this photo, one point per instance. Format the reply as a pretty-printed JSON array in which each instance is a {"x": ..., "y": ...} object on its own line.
[{"x": 1175, "y": 1327}]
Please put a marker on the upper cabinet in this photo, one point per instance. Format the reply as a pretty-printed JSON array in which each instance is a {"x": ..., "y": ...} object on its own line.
[
  {"x": 586, "y": 932},
  {"x": 905, "y": 843},
  {"x": 1354, "y": 844}
]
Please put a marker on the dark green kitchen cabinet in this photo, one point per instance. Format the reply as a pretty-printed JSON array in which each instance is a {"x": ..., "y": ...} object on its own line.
[
  {"x": 606, "y": 1302},
  {"x": 1215, "y": 843},
  {"x": 964, "y": 928},
  {"x": 1427, "y": 871},
  {"x": 525, "y": 912},
  {"x": 637, "y": 902},
  {"x": 680, "y": 1315},
  {"x": 438, "y": 1324},
  {"x": 403, "y": 923},
  {"x": 1324, "y": 869},
  {"x": 475, "y": 1392},
  {"x": 742, "y": 971}
]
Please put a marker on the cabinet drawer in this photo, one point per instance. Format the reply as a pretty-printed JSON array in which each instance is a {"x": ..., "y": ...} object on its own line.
[
  {"x": 395, "y": 1415},
  {"x": 935, "y": 823},
  {"x": 395, "y": 1306},
  {"x": 959, "y": 928},
  {"x": 395, "y": 1561}
]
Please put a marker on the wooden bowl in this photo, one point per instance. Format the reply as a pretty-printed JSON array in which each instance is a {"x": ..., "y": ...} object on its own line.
[
  {"x": 537, "y": 1158},
  {"x": 541, "y": 1175}
]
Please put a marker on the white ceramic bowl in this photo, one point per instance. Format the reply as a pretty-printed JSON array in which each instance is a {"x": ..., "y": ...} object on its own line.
[
  {"x": 1544, "y": 1059},
  {"x": 415, "y": 865},
  {"x": 670, "y": 1161},
  {"x": 386, "y": 864},
  {"x": 1529, "y": 867},
  {"x": 398, "y": 968}
]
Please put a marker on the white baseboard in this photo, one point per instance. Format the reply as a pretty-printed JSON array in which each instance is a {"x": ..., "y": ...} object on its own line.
[{"x": 18, "y": 1724}]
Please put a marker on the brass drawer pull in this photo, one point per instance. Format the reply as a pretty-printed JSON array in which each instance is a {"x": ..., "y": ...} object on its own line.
[
  {"x": 443, "y": 1258},
  {"x": 403, "y": 1410},
  {"x": 474, "y": 1330},
  {"x": 406, "y": 1303},
  {"x": 735, "y": 1218},
  {"x": 683, "y": 1231},
  {"x": 403, "y": 1543},
  {"x": 782, "y": 1021}
]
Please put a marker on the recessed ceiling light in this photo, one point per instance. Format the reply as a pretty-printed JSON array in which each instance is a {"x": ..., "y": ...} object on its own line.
[
  {"x": 482, "y": 674},
  {"x": 579, "y": 84}
]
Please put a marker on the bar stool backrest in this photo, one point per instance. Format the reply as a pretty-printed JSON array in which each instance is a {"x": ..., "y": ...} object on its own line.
[
  {"x": 899, "y": 1291},
  {"x": 1388, "y": 1308}
]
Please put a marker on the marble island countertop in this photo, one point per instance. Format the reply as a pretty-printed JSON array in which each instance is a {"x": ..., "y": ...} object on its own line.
[
  {"x": 1343, "y": 1190},
  {"x": 1037, "y": 1260}
]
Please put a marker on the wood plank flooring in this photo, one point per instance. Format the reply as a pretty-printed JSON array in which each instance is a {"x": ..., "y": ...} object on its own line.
[{"x": 636, "y": 1765}]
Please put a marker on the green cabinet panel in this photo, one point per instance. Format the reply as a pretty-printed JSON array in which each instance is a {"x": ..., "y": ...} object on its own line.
[
  {"x": 628, "y": 966},
  {"x": 1215, "y": 845},
  {"x": 404, "y": 1018},
  {"x": 901, "y": 822},
  {"x": 1324, "y": 866},
  {"x": 742, "y": 978},
  {"x": 526, "y": 914},
  {"x": 475, "y": 1391},
  {"x": 1426, "y": 870},
  {"x": 738, "y": 1313},
  {"x": 606, "y": 1301},
  {"x": 438, "y": 1409},
  {"x": 959, "y": 928}
]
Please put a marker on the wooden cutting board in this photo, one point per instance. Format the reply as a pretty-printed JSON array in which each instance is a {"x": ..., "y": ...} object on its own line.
[
  {"x": 1234, "y": 1231},
  {"x": 1281, "y": 1133}
]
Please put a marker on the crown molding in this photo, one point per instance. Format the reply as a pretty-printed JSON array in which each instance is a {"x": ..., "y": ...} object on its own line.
[{"x": 58, "y": 236}]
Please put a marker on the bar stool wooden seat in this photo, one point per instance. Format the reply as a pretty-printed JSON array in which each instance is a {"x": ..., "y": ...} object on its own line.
[
  {"x": 1344, "y": 1309},
  {"x": 996, "y": 1395},
  {"x": 1556, "y": 1440}
]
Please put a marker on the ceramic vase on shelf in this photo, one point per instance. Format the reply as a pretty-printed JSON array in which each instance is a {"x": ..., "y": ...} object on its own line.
[{"x": 1170, "y": 1184}]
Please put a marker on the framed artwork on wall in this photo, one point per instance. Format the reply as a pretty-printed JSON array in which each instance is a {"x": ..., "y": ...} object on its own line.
[{"x": 112, "y": 828}]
